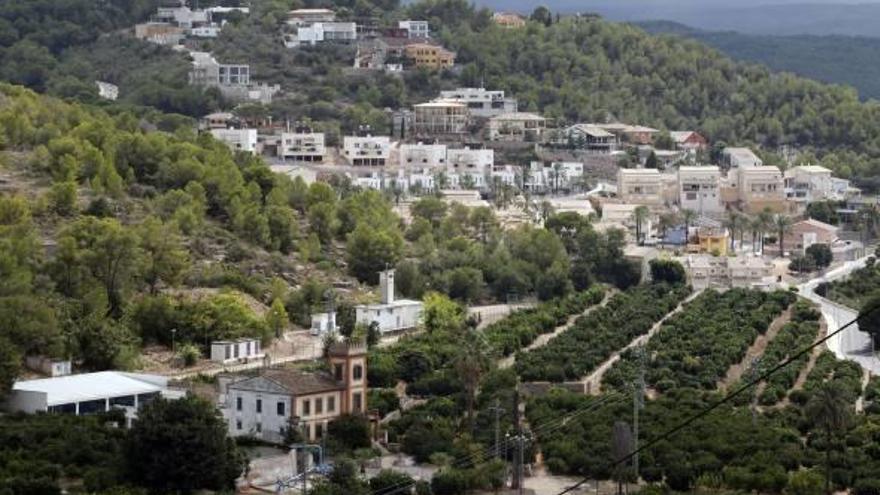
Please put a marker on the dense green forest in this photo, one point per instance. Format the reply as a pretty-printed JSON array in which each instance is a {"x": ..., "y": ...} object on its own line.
[{"x": 837, "y": 59}]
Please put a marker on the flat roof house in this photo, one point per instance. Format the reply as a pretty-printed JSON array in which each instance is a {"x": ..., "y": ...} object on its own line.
[
  {"x": 440, "y": 117},
  {"x": 88, "y": 393},
  {"x": 641, "y": 186},
  {"x": 429, "y": 56},
  {"x": 517, "y": 126},
  {"x": 302, "y": 146},
  {"x": 237, "y": 139},
  {"x": 699, "y": 189},
  {"x": 760, "y": 187},
  {"x": 390, "y": 314},
  {"x": 367, "y": 150},
  {"x": 481, "y": 102},
  {"x": 807, "y": 183},
  {"x": 740, "y": 157},
  {"x": 421, "y": 156},
  {"x": 415, "y": 29}
]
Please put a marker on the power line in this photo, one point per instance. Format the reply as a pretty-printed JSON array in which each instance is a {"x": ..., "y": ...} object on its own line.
[
  {"x": 687, "y": 421},
  {"x": 486, "y": 453}
]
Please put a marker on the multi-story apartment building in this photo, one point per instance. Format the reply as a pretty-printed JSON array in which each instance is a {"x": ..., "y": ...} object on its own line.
[
  {"x": 415, "y": 29},
  {"x": 237, "y": 139},
  {"x": 427, "y": 56},
  {"x": 422, "y": 156},
  {"x": 481, "y": 102},
  {"x": 640, "y": 186},
  {"x": 699, "y": 189},
  {"x": 302, "y": 146},
  {"x": 707, "y": 271},
  {"x": 277, "y": 401},
  {"x": 367, "y": 150},
  {"x": 440, "y": 117},
  {"x": 760, "y": 187}
]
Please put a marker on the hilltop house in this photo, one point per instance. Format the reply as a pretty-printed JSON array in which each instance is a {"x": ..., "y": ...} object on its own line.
[
  {"x": 699, "y": 189},
  {"x": 237, "y": 139},
  {"x": 689, "y": 140},
  {"x": 428, "y": 56},
  {"x": 440, "y": 117},
  {"x": 302, "y": 145},
  {"x": 589, "y": 137},
  {"x": 641, "y": 186}
]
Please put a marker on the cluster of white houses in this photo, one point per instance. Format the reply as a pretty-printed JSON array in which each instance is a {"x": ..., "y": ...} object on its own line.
[{"x": 172, "y": 25}]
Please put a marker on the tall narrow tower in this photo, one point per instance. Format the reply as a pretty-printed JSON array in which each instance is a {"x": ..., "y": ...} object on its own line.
[
  {"x": 386, "y": 286},
  {"x": 348, "y": 360}
]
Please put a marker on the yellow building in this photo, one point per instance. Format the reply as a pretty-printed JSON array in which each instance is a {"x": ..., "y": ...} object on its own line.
[
  {"x": 429, "y": 56},
  {"x": 713, "y": 241}
]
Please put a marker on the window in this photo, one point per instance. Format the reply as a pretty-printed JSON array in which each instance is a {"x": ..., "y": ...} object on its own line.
[
  {"x": 357, "y": 402},
  {"x": 331, "y": 404},
  {"x": 280, "y": 408},
  {"x": 238, "y": 424},
  {"x": 238, "y": 403},
  {"x": 358, "y": 370},
  {"x": 307, "y": 408},
  {"x": 319, "y": 405},
  {"x": 259, "y": 406},
  {"x": 259, "y": 427},
  {"x": 337, "y": 372}
]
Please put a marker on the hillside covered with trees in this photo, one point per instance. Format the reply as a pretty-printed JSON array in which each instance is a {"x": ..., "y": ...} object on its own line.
[{"x": 571, "y": 69}]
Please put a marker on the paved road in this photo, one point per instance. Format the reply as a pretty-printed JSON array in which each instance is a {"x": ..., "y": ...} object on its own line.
[{"x": 851, "y": 343}]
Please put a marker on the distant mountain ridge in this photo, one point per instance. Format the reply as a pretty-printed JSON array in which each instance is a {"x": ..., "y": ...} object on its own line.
[
  {"x": 850, "y": 60},
  {"x": 775, "y": 17}
]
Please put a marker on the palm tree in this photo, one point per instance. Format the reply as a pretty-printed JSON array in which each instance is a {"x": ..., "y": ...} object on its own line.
[
  {"x": 640, "y": 214},
  {"x": 733, "y": 222},
  {"x": 688, "y": 217},
  {"x": 783, "y": 227},
  {"x": 472, "y": 361},
  {"x": 765, "y": 219},
  {"x": 756, "y": 227},
  {"x": 828, "y": 409}
]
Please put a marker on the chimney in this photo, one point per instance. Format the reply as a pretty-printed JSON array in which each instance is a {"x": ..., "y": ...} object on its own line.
[{"x": 386, "y": 286}]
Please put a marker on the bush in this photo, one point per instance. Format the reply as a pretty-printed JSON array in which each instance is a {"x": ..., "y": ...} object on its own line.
[{"x": 349, "y": 432}]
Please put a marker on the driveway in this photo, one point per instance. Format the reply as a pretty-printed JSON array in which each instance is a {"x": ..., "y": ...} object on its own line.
[{"x": 851, "y": 343}]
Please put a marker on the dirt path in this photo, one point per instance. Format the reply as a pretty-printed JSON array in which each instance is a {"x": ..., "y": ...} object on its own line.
[
  {"x": 593, "y": 381},
  {"x": 802, "y": 377},
  {"x": 542, "y": 339},
  {"x": 735, "y": 372}
]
